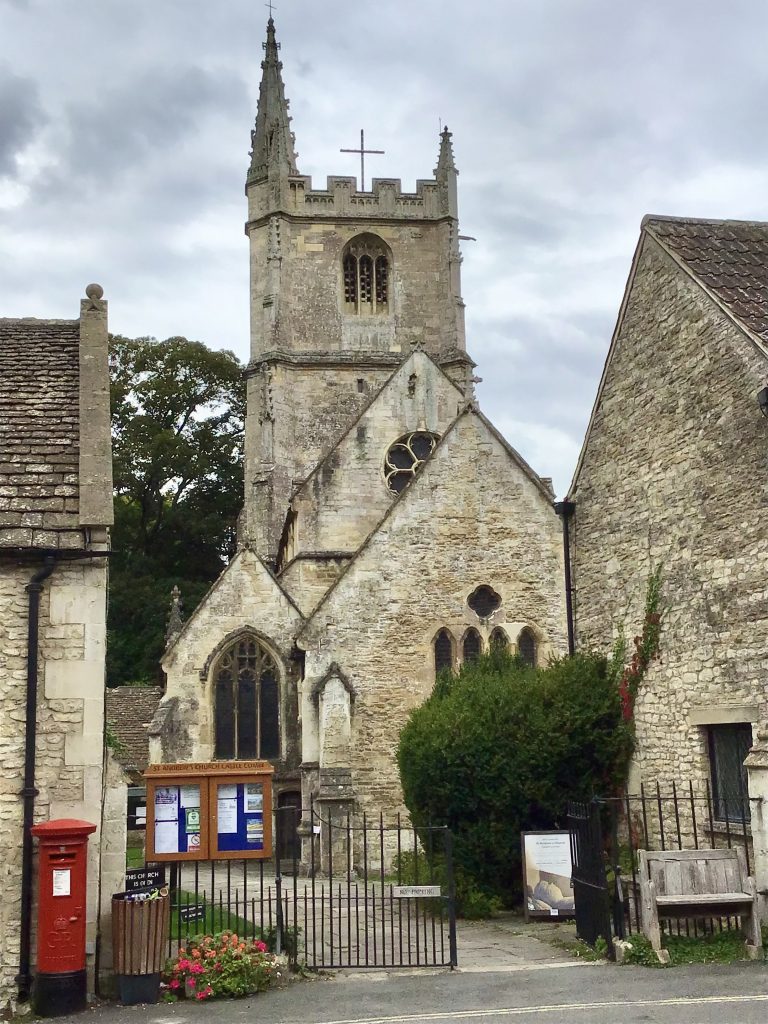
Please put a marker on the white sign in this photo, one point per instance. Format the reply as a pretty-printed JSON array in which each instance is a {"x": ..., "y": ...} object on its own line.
[
  {"x": 227, "y": 816},
  {"x": 166, "y": 837},
  {"x": 547, "y": 873},
  {"x": 408, "y": 892},
  {"x": 61, "y": 882}
]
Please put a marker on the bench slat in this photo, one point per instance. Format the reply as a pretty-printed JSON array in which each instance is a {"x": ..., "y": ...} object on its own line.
[{"x": 692, "y": 899}]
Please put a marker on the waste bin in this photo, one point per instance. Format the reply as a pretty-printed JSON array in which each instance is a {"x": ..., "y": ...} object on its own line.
[{"x": 139, "y": 945}]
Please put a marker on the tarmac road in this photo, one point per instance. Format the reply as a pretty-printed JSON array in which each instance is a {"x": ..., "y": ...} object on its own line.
[{"x": 589, "y": 993}]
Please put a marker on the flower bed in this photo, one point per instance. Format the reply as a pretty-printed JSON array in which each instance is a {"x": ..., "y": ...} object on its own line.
[{"x": 217, "y": 966}]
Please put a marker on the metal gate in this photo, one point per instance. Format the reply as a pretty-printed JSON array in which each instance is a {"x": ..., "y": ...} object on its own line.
[
  {"x": 342, "y": 892},
  {"x": 590, "y": 884}
]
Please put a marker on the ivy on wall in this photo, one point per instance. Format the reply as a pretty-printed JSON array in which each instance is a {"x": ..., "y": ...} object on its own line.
[{"x": 646, "y": 646}]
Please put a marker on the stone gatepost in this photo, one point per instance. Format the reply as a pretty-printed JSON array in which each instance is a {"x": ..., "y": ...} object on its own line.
[{"x": 757, "y": 784}]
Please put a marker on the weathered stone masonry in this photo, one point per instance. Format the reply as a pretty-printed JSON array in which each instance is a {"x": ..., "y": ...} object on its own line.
[
  {"x": 55, "y": 506},
  {"x": 674, "y": 471}
]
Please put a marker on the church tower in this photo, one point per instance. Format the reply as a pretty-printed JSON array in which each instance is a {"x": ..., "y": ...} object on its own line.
[{"x": 344, "y": 285}]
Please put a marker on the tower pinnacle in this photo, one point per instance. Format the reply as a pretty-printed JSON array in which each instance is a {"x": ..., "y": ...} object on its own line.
[
  {"x": 445, "y": 162},
  {"x": 273, "y": 152}
]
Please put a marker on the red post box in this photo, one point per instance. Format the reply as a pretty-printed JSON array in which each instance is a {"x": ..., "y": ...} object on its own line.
[{"x": 60, "y": 982}]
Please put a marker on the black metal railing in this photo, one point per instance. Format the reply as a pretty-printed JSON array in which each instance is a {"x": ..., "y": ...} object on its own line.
[
  {"x": 607, "y": 833},
  {"x": 354, "y": 892}
]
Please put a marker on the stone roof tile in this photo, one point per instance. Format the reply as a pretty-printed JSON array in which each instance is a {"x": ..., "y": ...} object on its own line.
[
  {"x": 129, "y": 710},
  {"x": 730, "y": 257},
  {"x": 39, "y": 431}
]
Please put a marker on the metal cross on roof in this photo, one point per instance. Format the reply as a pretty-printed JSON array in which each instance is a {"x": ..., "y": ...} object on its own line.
[
  {"x": 271, "y": 7},
  {"x": 362, "y": 151}
]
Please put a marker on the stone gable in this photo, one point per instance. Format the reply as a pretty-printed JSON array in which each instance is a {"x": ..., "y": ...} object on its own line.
[
  {"x": 673, "y": 470},
  {"x": 246, "y": 597},
  {"x": 128, "y": 712},
  {"x": 346, "y": 495},
  {"x": 474, "y": 515}
]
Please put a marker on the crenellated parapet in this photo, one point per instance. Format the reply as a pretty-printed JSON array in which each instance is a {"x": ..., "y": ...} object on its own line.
[{"x": 385, "y": 201}]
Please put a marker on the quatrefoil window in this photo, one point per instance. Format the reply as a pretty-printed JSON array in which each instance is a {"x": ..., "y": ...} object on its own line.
[
  {"x": 406, "y": 457},
  {"x": 484, "y": 601}
]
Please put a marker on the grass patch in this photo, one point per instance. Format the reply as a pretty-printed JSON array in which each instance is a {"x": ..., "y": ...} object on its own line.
[
  {"x": 134, "y": 857},
  {"x": 215, "y": 919},
  {"x": 720, "y": 947},
  {"x": 581, "y": 949}
]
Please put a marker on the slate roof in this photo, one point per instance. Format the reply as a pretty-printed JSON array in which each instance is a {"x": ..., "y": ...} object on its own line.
[
  {"x": 730, "y": 257},
  {"x": 129, "y": 710},
  {"x": 39, "y": 432}
]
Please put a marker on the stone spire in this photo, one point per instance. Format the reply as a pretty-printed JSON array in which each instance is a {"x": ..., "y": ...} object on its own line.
[
  {"x": 446, "y": 175},
  {"x": 272, "y": 140}
]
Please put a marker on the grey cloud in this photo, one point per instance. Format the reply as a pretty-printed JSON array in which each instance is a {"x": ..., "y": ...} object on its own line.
[{"x": 21, "y": 116}]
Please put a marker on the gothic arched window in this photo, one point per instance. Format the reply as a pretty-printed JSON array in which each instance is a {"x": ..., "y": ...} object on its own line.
[
  {"x": 472, "y": 646},
  {"x": 245, "y": 702},
  {"x": 443, "y": 651},
  {"x": 499, "y": 640},
  {"x": 526, "y": 647},
  {"x": 366, "y": 269}
]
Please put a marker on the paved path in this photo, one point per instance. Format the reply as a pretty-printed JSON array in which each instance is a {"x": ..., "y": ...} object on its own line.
[{"x": 507, "y": 943}]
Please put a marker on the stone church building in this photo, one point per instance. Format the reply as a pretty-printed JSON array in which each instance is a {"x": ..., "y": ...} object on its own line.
[
  {"x": 673, "y": 472},
  {"x": 388, "y": 528}
]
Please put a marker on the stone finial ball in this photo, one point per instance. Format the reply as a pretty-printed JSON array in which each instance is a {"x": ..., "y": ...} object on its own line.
[{"x": 94, "y": 291}]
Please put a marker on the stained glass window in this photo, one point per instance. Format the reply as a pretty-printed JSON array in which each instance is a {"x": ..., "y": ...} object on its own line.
[{"x": 246, "y": 702}]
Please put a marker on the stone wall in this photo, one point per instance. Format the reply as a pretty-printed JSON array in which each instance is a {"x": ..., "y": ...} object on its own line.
[
  {"x": 674, "y": 472},
  {"x": 69, "y": 727},
  {"x": 472, "y": 516},
  {"x": 114, "y": 838}
]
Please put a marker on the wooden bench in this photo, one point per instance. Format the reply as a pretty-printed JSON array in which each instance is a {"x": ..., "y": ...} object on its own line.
[{"x": 695, "y": 884}]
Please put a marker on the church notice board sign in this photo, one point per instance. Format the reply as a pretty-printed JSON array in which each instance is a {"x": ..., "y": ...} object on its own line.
[
  {"x": 547, "y": 870},
  {"x": 209, "y": 810}
]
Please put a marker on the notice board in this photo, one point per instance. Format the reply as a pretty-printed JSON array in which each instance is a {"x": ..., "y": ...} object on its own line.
[{"x": 209, "y": 810}]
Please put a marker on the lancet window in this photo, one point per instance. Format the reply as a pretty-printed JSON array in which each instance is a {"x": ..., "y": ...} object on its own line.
[
  {"x": 443, "y": 651},
  {"x": 499, "y": 640},
  {"x": 245, "y": 696},
  {"x": 366, "y": 270},
  {"x": 472, "y": 646},
  {"x": 526, "y": 647}
]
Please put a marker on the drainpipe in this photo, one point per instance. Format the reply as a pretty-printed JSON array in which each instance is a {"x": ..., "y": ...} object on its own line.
[
  {"x": 565, "y": 510},
  {"x": 34, "y": 588}
]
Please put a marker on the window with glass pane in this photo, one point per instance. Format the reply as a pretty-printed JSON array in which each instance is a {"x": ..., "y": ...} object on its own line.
[
  {"x": 526, "y": 647},
  {"x": 728, "y": 747},
  {"x": 472, "y": 646},
  {"x": 443, "y": 651},
  {"x": 245, "y": 698}
]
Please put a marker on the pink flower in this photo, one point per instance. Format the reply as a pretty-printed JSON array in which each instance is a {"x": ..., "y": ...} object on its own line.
[
  {"x": 174, "y": 983},
  {"x": 191, "y": 982},
  {"x": 199, "y": 995},
  {"x": 183, "y": 965},
  {"x": 261, "y": 946},
  {"x": 197, "y": 968}
]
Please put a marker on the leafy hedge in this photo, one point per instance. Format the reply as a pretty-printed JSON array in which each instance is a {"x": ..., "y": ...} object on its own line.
[{"x": 501, "y": 747}]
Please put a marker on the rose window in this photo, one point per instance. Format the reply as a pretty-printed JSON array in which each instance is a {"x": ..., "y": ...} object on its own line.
[{"x": 406, "y": 456}]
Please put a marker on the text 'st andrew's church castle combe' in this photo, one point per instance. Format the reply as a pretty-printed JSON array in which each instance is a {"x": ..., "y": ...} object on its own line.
[{"x": 388, "y": 528}]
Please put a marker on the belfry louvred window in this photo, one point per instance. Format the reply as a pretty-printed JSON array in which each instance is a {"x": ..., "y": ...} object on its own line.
[
  {"x": 365, "y": 271},
  {"x": 245, "y": 696}
]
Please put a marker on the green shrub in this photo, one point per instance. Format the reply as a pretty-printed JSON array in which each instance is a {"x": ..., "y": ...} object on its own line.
[{"x": 501, "y": 747}]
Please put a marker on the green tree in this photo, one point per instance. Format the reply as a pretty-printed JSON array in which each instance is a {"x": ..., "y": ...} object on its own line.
[
  {"x": 501, "y": 747},
  {"x": 178, "y": 413}
]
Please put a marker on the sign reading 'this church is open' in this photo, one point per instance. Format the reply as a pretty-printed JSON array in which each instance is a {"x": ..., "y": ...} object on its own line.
[{"x": 209, "y": 810}]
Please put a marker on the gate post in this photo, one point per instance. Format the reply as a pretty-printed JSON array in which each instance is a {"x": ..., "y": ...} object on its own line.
[
  {"x": 756, "y": 764},
  {"x": 451, "y": 898}
]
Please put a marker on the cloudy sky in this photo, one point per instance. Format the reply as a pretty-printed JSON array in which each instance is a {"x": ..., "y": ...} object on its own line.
[{"x": 124, "y": 134}]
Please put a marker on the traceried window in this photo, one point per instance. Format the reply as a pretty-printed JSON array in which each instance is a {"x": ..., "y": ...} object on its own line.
[
  {"x": 728, "y": 747},
  {"x": 526, "y": 647},
  {"x": 443, "y": 651},
  {"x": 484, "y": 601},
  {"x": 472, "y": 646},
  {"x": 406, "y": 456},
  {"x": 499, "y": 640},
  {"x": 366, "y": 270},
  {"x": 245, "y": 696}
]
